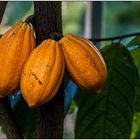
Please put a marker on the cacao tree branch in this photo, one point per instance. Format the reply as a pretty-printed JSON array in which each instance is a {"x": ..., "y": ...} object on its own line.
[
  {"x": 114, "y": 38},
  {"x": 48, "y": 18}
]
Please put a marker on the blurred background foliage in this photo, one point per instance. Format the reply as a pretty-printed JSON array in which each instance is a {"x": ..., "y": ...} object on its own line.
[
  {"x": 121, "y": 17},
  {"x": 118, "y": 18},
  {"x": 124, "y": 17}
]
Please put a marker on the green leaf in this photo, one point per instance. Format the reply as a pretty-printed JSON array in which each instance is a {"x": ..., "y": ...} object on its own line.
[
  {"x": 26, "y": 118},
  {"x": 135, "y": 53},
  {"x": 109, "y": 114},
  {"x": 137, "y": 99},
  {"x": 135, "y": 41},
  {"x": 72, "y": 106},
  {"x": 135, "y": 134}
]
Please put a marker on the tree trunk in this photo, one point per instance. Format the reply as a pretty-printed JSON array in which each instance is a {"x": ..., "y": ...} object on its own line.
[{"x": 48, "y": 18}]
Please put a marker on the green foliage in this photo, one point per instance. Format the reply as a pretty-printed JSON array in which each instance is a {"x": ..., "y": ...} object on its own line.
[
  {"x": 124, "y": 18},
  {"x": 136, "y": 126},
  {"x": 132, "y": 17},
  {"x": 134, "y": 42},
  {"x": 135, "y": 53},
  {"x": 137, "y": 99},
  {"x": 110, "y": 114},
  {"x": 71, "y": 18},
  {"x": 136, "y": 57},
  {"x": 26, "y": 118},
  {"x": 72, "y": 106}
]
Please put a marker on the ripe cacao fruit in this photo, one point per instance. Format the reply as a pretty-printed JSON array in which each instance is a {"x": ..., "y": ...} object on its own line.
[
  {"x": 15, "y": 47},
  {"x": 43, "y": 73},
  {"x": 84, "y": 62}
]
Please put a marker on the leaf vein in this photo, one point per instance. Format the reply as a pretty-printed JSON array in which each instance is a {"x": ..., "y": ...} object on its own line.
[
  {"x": 124, "y": 97},
  {"x": 90, "y": 107},
  {"x": 125, "y": 118},
  {"x": 131, "y": 85},
  {"x": 95, "y": 120}
]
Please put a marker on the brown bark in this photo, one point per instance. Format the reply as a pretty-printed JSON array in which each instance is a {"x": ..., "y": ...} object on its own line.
[
  {"x": 8, "y": 120},
  {"x": 48, "y": 18}
]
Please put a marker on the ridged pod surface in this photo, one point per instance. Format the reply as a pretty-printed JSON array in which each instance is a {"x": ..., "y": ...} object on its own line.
[
  {"x": 43, "y": 73},
  {"x": 84, "y": 62},
  {"x": 15, "y": 47}
]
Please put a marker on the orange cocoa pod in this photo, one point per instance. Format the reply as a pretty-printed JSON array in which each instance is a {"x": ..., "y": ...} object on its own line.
[
  {"x": 43, "y": 73},
  {"x": 15, "y": 47},
  {"x": 84, "y": 62}
]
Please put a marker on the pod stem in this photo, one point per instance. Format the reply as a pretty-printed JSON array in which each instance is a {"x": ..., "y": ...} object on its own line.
[
  {"x": 55, "y": 36},
  {"x": 30, "y": 19}
]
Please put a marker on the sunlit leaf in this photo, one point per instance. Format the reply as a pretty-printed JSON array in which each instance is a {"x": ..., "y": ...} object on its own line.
[
  {"x": 135, "y": 53},
  {"x": 136, "y": 126},
  {"x": 135, "y": 41}
]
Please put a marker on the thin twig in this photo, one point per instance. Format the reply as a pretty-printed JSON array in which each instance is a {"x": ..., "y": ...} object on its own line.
[{"x": 114, "y": 38}]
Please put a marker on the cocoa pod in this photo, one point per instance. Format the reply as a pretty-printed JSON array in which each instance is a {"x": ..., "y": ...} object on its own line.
[
  {"x": 15, "y": 47},
  {"x": 43, "y": 73},
  {"x": 84, "y": 62}
]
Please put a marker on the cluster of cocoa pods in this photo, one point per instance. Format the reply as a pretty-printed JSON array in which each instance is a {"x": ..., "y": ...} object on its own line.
[{"x": 38, "y": 72}]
